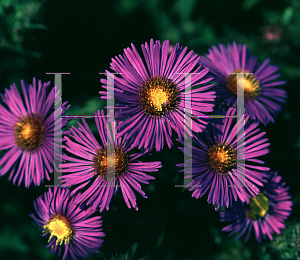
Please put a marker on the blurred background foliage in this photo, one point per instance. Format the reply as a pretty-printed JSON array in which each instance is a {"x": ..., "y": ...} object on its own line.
[{"x": 81, "y": 37}]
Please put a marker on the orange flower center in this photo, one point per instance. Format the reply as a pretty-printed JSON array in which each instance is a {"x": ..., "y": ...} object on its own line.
[
  {"x": 158, "y": 95},
  {"x": 115, "y": 163},
  {"x": 29, "y": 132},
  {"x": 222, "y": 158},
  {"x": 251, "y": 84}
]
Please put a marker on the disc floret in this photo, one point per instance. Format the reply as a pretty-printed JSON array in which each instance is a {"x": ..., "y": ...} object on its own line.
[
  {"x": 103, "y": 165},
  {"x": 222, "y": 158},
  {"x": 159, "y": 95},
  {"x": 251, "y": 84},
  {"x": 29, "y": 132},
  {"x": 258, "y": 207},
  {"x": 60, "y": 228}
]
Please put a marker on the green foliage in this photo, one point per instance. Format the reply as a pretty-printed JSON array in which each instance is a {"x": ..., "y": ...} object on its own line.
[
  {"x": 284, "y": 247},
  {"x": 127, "y": 255},
  {"x": 229, "y": 248},
  {"x": 297, "y": 145},
  {"x": 287, "y": 245},
  {"x": 88, "y": 108},
  {"x": 249, "y": 4},
  {"x": 176, "y": 22},
  {"x": 19, "y": 244},
  {"x": 18, "y": 18}
]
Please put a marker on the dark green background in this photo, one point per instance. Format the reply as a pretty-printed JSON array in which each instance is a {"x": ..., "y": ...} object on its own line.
[{"x": 81, "y": 38}]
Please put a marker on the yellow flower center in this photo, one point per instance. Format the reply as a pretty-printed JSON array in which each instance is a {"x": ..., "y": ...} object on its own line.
[
  {"x": 29, "y": 132},
  {"x": 258, "y": 207},
  {"x": 102, "y": 164},
  {"x": 158, "y": 95},
  {"x": 251, "y": 84},
  {"x": 222, "y": 158},
  {"x": 59, "y": 227}
]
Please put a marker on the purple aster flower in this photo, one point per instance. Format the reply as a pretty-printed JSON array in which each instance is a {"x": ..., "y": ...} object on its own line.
[
  {"x": 265, "y": 214},
  {"x": 27, "y": 132},
  {"x": 68, "y": 228},
  {"x": 214, "y": 162},
  {"x": 88, "y": 166},
  {"x": 151, "y": 94},
  {"x": 262, "y": 97}
]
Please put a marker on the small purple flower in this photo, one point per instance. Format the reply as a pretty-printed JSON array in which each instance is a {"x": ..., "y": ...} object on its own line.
[
  {"x": 88, "y": 166},
  {"x": 152, "y": 97},
  {"x": 27, "y": 132},
  {"x": 214, "y": 162},
  {"x": 262, "y": 97},
  {"x": 67, "y": 227},
  {"x": 265, "y": 214}
]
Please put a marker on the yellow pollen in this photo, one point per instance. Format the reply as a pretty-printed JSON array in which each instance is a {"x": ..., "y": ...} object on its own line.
[
  {"x": 26, "y": 131},
  {"x": 258, "y": 207},
  {"x": 29, "y": 132},
  {"x": 102, "y": 164},
  {"x": 110, "y": 161},
  {"x": 251, "y": 84},
  {"x": 247, "y": 84},
  {"x": 158, "y": 97},
  {"x": 60, "y": 228},
  {"x": 222, "y": 158}
]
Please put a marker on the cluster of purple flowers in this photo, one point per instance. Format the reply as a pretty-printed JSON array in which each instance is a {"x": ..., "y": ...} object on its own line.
[{"x": 151, "y": 94}]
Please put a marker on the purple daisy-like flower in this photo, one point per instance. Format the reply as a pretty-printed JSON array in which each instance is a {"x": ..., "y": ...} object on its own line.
[
  {"x": 68, "y": 228},
  {"x": 150, "y": 95},
  {"x": 89, "y": 166},
  {"x": 27, "y": 132},
  {"x": 265, "y": 214},
  {"x": 214, "y": 163},
  {"x": 262, "y": 97}
]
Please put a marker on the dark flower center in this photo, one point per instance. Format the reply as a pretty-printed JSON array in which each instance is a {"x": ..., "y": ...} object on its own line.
[
  {"x": 103, "y": 165},
  {"x": 251, "y": 84},
  {"x": 222, "y": 158},
  {"x": 158, "y": 95},
  {"x": 29, "y": 132},
  {"x": 258, "y": 207},
  {"x": 59, "y": 227}
]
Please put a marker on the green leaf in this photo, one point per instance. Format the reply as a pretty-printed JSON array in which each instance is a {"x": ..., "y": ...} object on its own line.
[
  {"x": 287, "y": 15},
  {"x": 12, "y": 241},
  {"x": 249, "y": 4},
  {"x": 184, "y": 8}
]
